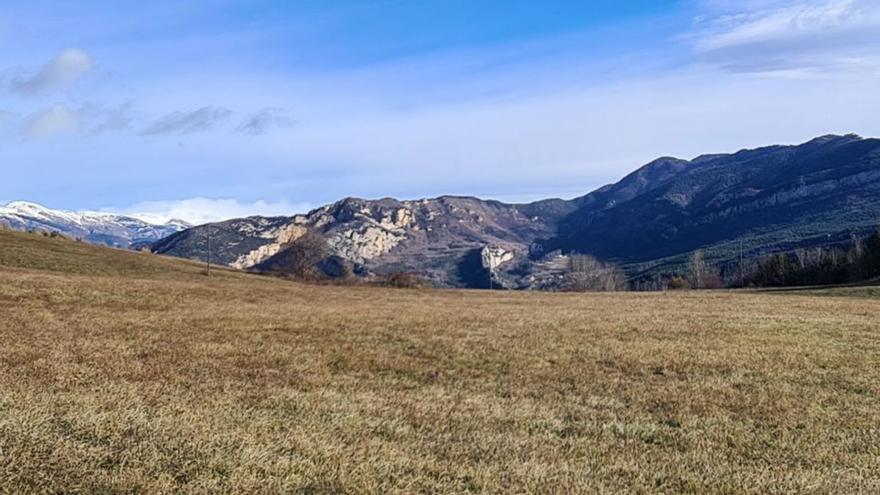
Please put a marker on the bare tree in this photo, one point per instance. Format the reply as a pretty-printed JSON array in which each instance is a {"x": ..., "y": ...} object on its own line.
[
  {"x": 586, "y": 273},
  {"x": 697, "y": 270},
  {"x": 802, "y": 257}
]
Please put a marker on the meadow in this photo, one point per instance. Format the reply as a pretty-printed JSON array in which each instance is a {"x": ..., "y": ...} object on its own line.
[{"x": 125, "y": 372}]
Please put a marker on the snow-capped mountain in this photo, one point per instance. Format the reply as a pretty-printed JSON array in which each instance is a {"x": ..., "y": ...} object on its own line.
[{"x": 95, "y": 227}]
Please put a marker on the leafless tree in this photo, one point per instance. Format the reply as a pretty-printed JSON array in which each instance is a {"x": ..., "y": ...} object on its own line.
[
  {"x": 586, "y": 273},
  {"x": 697, "y": 269}
]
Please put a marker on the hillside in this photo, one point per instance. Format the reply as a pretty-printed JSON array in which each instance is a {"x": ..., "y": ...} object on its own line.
[
  {"x": 751, "y": 202},
  {"x": 763, "y": 200},
  {"x": 125, "y": 372},
  {"x": 38, "y": 253}
]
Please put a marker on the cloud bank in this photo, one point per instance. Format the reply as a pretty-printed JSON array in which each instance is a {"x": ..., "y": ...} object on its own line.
[{"x": 199, "y": 211}]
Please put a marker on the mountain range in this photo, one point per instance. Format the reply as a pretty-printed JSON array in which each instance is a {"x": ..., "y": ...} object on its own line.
[
  {"x": 730, "y": 206},
  {"x": 747, "y": 203},
  {"x": 94, "y": 227}
]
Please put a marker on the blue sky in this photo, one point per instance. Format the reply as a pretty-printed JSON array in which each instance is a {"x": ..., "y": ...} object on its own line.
[{"x": 207, "y": 110}]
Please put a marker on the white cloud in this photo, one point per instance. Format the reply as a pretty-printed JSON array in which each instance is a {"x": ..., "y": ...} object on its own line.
[
  {"x": 204, "y": 210},
  {"x": 44, "y": 123},
  {"x": 64, "y": 69},
  {"x": 784, "y": 36},
  {"x": 181, "y": 123}
]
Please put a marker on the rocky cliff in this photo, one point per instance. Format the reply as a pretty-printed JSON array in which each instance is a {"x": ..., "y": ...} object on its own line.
[{"x": 433, "y": 237}]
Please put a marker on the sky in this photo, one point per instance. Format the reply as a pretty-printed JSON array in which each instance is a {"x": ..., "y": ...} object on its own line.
[{"x": 211, "y": 110}]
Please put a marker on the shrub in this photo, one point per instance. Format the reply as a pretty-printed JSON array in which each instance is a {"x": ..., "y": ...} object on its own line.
[
  {"x": 405, "y": 280},
  {"x": 303, "y": 257}
]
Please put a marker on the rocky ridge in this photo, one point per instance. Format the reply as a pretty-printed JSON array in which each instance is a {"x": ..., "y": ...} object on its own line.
[{"x": 759, "y": 200}]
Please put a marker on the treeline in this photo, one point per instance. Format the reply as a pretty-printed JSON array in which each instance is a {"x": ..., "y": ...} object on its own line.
[
  {"x": 817, "y": 266},
  {"x": 588, "y": 274},
  {"x": 857, "y": 262}
]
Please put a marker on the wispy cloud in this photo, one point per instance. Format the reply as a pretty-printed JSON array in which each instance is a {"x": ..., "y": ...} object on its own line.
[
  {"x": 44, "y": 123},
  {"x": 69, "y": 66},
  {"x": 181, "y": 123},
  {"x": 88, "y": 119},
  {"x": 112, "y": 119},
  {"x": 204, "y": 210},
  {"x": 781, "y": 36},
  {"x": 265, "y": 120}
]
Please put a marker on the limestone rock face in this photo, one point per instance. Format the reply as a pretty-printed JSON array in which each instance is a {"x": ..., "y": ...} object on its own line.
[
  {"x": 494, "y": 256},
  {"x": 361, "y": 231},
  {"x": 280, "y": 237},
  {"x": 441, "y": 239},
  {"x": 364, "y": 243}
]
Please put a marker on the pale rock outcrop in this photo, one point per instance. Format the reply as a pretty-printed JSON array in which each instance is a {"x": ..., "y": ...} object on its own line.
[
  {"x": 282, "y": 237},
  {"x": 495, "y": 256},
  {"x": 365, "y": 243}
]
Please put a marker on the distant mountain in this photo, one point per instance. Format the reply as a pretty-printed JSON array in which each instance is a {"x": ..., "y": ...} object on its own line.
[
  {"x": 439, "y": 238},
  {"x": 751, "y": 202},
  {"x": 762, "y": 200},
  {"x": 93, "y": 227}
]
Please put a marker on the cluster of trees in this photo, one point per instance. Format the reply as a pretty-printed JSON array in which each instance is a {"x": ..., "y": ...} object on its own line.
[
  {"x": 860, "y": 261},
  {"x": 701, "y": 275},
  {"x": 588, "y": 274},
  {"x": 817, "y": 266},
  {"x": 403, "y": 280}
]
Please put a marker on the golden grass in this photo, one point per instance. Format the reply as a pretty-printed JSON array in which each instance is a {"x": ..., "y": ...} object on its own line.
[{"x": 130, "y": 373}]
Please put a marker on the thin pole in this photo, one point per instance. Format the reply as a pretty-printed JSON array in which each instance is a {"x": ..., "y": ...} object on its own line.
[{"x": 208, "y": 257}]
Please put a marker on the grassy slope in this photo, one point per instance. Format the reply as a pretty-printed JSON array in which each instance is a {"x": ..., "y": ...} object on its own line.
[{"x": 125, "y": 372}]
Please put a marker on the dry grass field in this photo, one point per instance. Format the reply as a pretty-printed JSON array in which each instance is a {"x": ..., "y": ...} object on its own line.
[{"x": 129, "y": 373}]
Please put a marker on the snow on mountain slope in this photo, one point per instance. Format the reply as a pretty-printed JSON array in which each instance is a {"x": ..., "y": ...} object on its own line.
[{"x": 94, "y": 227}]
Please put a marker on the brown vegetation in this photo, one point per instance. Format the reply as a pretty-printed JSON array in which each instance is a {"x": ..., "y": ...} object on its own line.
[
  {"x": 127, "y": 373},
  {"x": 303, "y": 256},
  {"x": 405, "y": 280},
  {"x": 588, "y": 274}
]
